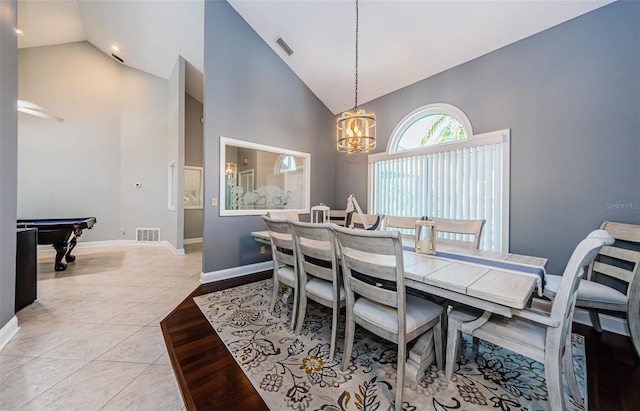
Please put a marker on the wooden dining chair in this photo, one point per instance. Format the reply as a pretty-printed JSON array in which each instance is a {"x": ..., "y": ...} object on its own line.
[
  {"x": 338, "y": 217},
  {"x": 459, "y": 233},
  {"x": 543, "y": 337},
  {"x": 370, "y": 258},
  {"x": 394, "y": 222},
  {"x": 612, "y": 282},
  {"x": 284, "y": 215},
  {"x": 374, "y": 221},
  {"x": 284, "y": 262},
  {"x": 319, "y": 273}
]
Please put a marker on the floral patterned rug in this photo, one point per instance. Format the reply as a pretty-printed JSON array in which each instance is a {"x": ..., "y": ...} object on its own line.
[{"x": 294, "y": 372}]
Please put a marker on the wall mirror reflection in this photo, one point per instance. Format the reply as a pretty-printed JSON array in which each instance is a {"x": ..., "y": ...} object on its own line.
[
  {"x": 192, "y": 187},
  {"x": 255, "y": 178}
]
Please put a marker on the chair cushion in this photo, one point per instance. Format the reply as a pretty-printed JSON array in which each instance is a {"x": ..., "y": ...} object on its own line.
[
  {"x": 287, "y": 275},
  {"x": 419, "y": 311},
  {"x": 587, "y": 290},
  {"x": 323, "y": 289}
]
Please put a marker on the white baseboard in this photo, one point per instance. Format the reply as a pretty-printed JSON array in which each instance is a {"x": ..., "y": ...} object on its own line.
[
  {"x": 235, "y": 272},
  {"x": 175, "y": 251},
  {"x": 8, "y": 331},
  {"x": 192, "y": 240},
  {"x": 49, "y": 251}
]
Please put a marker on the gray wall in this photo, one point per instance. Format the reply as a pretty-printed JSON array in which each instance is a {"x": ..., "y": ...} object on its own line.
[
  {"x": 8, "y": 155},
  {"x": 571, "y": 97},
  {"x": 193, "y": 219},
  {"x": 114, "y": 135},
  {"x": 251, "y": 95}
]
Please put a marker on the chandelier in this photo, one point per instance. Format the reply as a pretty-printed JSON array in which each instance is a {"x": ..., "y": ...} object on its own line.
[{"x": 356, "y": 130}]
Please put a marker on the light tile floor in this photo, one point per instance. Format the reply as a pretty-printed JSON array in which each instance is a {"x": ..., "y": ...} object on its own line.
[{"x": 92, "y": 339}]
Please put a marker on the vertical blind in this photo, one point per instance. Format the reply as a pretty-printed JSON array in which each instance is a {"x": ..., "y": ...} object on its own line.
[{"x": 467, "y": 180}]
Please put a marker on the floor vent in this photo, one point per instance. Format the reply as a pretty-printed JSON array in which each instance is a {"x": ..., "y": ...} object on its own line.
[{"x": 148, "y": 235}]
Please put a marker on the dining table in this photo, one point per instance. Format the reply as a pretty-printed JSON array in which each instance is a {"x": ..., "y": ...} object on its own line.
[{"x": 496, "y": 283}]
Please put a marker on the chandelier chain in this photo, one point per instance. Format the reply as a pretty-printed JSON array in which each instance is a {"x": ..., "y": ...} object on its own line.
[{"x": 355, "y": 108}]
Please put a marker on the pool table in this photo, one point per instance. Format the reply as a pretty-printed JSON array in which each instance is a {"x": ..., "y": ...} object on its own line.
[{"x": 61, "y": 233}]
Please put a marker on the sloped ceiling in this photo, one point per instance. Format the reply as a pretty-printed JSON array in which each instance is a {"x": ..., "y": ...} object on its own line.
[{"x": 400, "y": 42}]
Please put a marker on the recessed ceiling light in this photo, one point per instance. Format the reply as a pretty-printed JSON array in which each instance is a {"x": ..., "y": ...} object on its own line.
[
  {"x": 18, "y": 30},
  {"x": 115, "y": 48}
]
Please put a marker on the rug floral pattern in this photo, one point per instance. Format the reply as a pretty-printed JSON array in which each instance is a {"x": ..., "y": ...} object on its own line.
[{"x": 293, "y": 372}]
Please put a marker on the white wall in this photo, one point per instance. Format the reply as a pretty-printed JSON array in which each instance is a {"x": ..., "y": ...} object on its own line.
[
  {"x": 143, "y": 151},
  {"x": 175, "y": 149},
  {"x": 114, "y": 135}
]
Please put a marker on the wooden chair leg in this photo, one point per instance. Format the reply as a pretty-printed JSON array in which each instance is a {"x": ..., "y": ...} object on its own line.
[
  {"x": 302, "y": 311},
  {"x": 633, "y": 321},
  {"x": 402, "y": 359},
  {"x": 294, "y": 309},
  {"x": 274, "y": 295},
  {"x": 453, "y": 337},
  {"x": 595, "y": 320},
  {"x": 438, "y": 343},
  {"x": 348, "y": 341},
  {"x": 334, "y": 330},
  {"x": 553, "y": 376},
  {"x": 569, "y": 372}
]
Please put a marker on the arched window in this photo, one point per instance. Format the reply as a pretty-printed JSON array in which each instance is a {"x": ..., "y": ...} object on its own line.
[
  {"x": 285, "y": 163},
  {"x": 428, "y": 126},
  {"x": 436, "y": 166}
]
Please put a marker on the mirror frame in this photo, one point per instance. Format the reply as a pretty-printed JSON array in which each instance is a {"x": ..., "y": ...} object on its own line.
[{"x": 226, "y": 141}]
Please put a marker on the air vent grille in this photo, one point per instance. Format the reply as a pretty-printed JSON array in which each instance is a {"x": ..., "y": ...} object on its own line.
[
  {"x": 148, "y": 235},
  {"x": 284, "y": 46}
]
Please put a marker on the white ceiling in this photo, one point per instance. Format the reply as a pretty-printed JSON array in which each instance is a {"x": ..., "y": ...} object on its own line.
[{"x": 400, "y": 41}]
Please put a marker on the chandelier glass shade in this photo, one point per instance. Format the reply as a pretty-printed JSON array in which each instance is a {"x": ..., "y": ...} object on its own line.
[
  {"x": 356, "y": 129},
  {"x": 230, "y": 171}
]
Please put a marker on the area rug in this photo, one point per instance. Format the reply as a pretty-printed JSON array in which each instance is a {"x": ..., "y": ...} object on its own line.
[{"x": 293, "y": 372}]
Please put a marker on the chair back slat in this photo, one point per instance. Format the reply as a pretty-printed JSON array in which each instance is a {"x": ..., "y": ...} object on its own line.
[
  {"x": 394, "y": 222},
  {"x": 609, "y": 270},
  {"x": 285, "y": 258},
  {"x": 284, "y": 215},
  {"x": 564, "y": 302},
  {"x": 622, "y": 231},
  {"x": 449, "y": 226},
  {"x": 373, "y": 265},
  {"x": 620, "y": 261},
  {"x": 338, "y": 217},
  {"x": 378, "y": 268},
  {"x": 374, "y": 292},
  {"x": 316, "y": 248},
  {"x": 282, "y": 247}
]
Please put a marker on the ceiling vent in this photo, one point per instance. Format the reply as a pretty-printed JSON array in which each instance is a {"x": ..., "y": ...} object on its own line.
[
  {"x": 117, "y": 58},
  {"x": 284, "y": 46}
]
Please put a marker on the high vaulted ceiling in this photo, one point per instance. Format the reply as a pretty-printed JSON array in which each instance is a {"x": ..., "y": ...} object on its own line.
[{"x": 400, "y": 42}]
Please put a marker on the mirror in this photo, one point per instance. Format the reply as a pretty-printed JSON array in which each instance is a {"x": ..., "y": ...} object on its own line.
[
  {"x": 192, "y": 187},
  {"x": 255, "y": 178}
]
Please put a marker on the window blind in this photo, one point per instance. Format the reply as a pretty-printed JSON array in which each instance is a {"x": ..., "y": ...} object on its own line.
[{"x": 467, "y": 180}]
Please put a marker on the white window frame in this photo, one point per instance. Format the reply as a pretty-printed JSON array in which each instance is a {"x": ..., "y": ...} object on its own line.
[
  {"x": 495, "y": 137},
  {"x": 426, "y": 111}
]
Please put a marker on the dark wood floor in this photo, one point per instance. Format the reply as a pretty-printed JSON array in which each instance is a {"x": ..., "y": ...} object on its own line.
[{"x": 210, "y": 379}]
